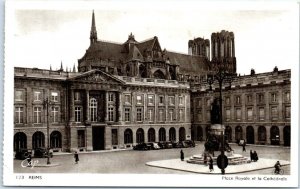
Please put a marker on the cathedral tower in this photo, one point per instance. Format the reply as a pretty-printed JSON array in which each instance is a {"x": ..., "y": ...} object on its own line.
[
  {"x": 93, "y": 35},
  {"x": 199, "y": 47}
]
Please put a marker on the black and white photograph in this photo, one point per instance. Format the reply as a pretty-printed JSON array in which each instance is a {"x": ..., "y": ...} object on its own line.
[{"x": 151, "y": 93}]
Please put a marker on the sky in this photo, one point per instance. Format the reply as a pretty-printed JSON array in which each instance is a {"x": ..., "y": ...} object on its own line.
[{"x": 266, "y": 35}]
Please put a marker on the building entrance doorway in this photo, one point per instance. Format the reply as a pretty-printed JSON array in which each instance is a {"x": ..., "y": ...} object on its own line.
[
  {"x": 98, "y": 138},
  {"x": 287, "y": 135},
  {"x": 250, "y": 135}
]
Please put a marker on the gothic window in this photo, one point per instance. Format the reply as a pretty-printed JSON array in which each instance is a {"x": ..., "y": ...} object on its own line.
[
  {"x": 142, "y": 71},
  {"x": 159, "y": 75}
]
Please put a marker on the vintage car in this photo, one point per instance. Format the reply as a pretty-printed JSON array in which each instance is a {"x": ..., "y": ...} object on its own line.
[
  {"x": 142, "y": 146},
  {"x": 42, "y": 153},
  {"x": 22, "y": 153},
  {"x": 190, "y": 143},
  {"x": 165, "y": 144},
  {"x": 154, "y": 145}
]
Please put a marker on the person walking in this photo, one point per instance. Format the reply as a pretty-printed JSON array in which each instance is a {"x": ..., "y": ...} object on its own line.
[
  {"x": 255, "y": 156},
  {"x": 76, "y": 157},
  {"x": 211, "y": 165},
  {"x": 251, "y": 155},
  {"x": 181, "y": 155},
  {"x": 244, "y": 146},
  {"x": 29, "y": 159}
]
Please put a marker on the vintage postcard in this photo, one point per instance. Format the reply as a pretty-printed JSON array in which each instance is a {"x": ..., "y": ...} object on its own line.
[{"x": 151, "y": 93}]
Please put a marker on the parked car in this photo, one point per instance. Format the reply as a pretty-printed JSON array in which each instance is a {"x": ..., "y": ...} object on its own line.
[
  {"x": 190, "y": 143},
  {"x": 22, "y": 153},
  {"x": 142, "y": 146},
  {"x": 165, "y": 144},
  {"x": 154, "y": 145},
  {"x": 42, "y": 153},
  {"x": 181, "y": 144}
]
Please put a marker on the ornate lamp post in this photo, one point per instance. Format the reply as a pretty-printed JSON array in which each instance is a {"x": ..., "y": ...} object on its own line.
[
  {"x": 46, "y": 104},
  {"x": 220, "y": 76}
]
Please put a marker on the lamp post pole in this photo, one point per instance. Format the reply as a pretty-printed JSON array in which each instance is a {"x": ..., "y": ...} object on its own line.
[{"x": 46, "y": 106}]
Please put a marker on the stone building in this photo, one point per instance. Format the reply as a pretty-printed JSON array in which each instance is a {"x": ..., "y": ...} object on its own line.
[{"x": 133, "y": 92}]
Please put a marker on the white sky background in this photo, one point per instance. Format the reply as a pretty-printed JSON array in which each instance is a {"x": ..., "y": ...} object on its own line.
[{"x": 265, "y": 36}]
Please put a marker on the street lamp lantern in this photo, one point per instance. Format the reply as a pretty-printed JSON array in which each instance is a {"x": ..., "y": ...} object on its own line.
[{"x": 46, "y": 104}]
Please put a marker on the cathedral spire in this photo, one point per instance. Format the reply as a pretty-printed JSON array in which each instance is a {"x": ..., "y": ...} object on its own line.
[{"x": 93, "y": 35}]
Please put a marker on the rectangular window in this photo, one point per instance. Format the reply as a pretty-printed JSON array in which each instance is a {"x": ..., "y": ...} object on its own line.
[
  {"x": 287, "y": 112},
  {"x": 151, "y": 115},
  {"x": 127, "y": 114},
  {"x": 114, "y": 136},
  {"x": 139, "y": 114},
  {"x": 274, "y": 113},
  {"x": 37, "y": 95},
  {"x": 171, "y": 115},
  {"x": 77, "y": 114},
  {"x": 208, "y": 115},
  {"x": 181, "y": 100},
  {"x": 161, "y": 115},
  {"x": 54, "y": 96},
  {"x": 261, "y": 113},
  {"x": 181, "y": 115},
  {"x": 110, "y": 114},
  {"x": 249, "y": 114},
  {"x": 37, "y": 114},
  {"x": 273, "y": 97},
  {"x": 161, "y": 99},
  {"x": 261, "y": 98},
  {"x": 199, "y": 102},
  {"x": 199, "y": 115},
  {"x": 171, "y": 100},
  {"x": 227, "y": 114},
  {"x": 54, "y": 114},
  {"x": 150, "y": 99},
  {"x": 81, "y": 138},
  {"x": 77, "y": 96},
  {"x": 237, "y": 100},
  {"x": 19, "y": 96},
  {"x": 249, "y": 99},
  {"x": 139, "y": 99},
  {"x": 127, "y": 99},
  {"x": 227, "y": 101},
  {"x": 19, "y": 114},
  {"x": 287, "y": 97},
  {"x": 238, "y": 114},
  {"x": 111, "y": 97}
]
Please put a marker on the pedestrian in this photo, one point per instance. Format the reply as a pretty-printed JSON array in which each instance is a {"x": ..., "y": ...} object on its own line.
[
  {"x": 251, "y": 155},
  {"x": 244, "y": 146},
  {"x": 255, "y": 156},
  {"x": 211, "y": 165},
  {"x": 181, "y": 155},
  {"x": 76, "y": 157},
  {"x": 29, "y": 160},
  {"x": 205, "y": 159}
]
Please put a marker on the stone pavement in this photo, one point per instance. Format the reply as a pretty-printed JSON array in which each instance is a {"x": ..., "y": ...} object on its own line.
[{"x": 177, "y": 164}]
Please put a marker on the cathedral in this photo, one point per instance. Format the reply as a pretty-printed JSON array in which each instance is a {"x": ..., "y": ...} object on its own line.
[{"x": 132, "y": 92}]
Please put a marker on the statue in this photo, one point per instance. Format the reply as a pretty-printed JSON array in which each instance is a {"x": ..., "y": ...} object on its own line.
[{"x": 215, "y": 117}]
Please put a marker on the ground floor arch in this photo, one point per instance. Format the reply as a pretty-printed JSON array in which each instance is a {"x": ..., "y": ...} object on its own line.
[
  {"x": 250, "y": 135},
  {"x": 20, "y": 141},
  {"x": 275, "y": 135},
  {"x": 262, "y": 135},
  {"x": 162, "y": 134},
  {"x": 228, "y": 133},
  {"x": 182, "y": 133},
  {"x": 199, "y": 133},
  {"x": 172, "y": 134},
  {"x": 128, "y": 138},
  {"x": 151, "y": 135},
  {"x": 287, "y": 136},
  {"x": 140, "y": 136},
  {"x": 238, "y": 133},
  {"x": 38, "y": 140},
  {"x": 55, "y": 139}
]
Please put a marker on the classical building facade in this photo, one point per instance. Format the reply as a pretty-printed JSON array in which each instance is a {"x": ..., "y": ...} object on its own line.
[{"x": 133, "y": 92}]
